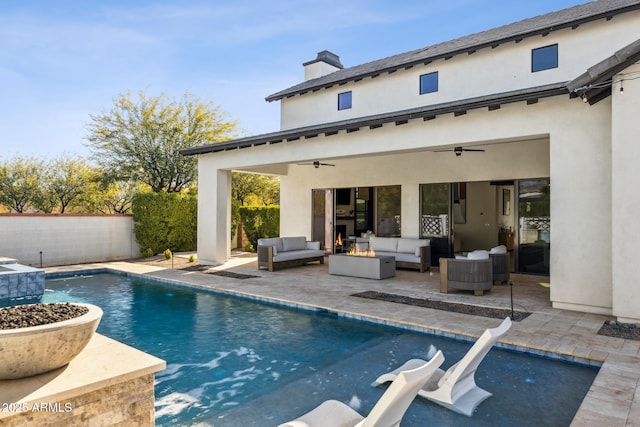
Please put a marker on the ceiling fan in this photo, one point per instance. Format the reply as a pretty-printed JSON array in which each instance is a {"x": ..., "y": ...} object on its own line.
[
  {"x": 459, "y": 150},
  {"x": 316, "y": 164}
]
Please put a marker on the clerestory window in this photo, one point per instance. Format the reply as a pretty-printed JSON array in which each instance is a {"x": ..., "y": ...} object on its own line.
[
  {"x": 429, "y": 83},
  {"x": 544, "y": 58},
  {"x": 344, "y": 100}
]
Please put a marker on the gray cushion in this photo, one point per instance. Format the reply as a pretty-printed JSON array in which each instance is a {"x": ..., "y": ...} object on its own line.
[
  {"x": 313, "y": 245},
  {"x": 502, "y": 249},
  {"x": 383, "y": 244},
  {"x": 294, "y": 243},
  {"x": 479, "y": 254},
  {"x": 305, "y": 253},
  {"x": 407, "y": 257},
  {"x": 276, "y": 242},
  {"x": 409, "y": 246}
]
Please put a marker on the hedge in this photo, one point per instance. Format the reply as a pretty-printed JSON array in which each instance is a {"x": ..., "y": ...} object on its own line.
[
  {"x": 165, "y": 221},
  {"x": 260, "y": 221}
]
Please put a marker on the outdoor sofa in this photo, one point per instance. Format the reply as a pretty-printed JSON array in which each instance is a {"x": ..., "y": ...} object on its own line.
[
  {"x": 280, "y": 252},
  {"x": 408, "y": 252}
]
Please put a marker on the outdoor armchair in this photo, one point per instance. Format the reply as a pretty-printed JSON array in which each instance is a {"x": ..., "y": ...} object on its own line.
[{"x": 466, "y": 274}]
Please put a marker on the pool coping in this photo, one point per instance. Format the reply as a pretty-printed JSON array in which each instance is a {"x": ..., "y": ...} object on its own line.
[{"x": 614, "y": 396}]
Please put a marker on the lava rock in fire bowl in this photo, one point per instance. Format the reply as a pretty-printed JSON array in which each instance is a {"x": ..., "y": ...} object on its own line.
[{"x": 38, "y": 338}]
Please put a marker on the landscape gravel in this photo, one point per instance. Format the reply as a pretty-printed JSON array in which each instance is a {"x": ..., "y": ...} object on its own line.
[{"x": 23, "y": 316}]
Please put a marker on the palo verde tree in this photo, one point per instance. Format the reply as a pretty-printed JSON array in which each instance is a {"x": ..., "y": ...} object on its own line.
[
  {"x": 140, "y": 140},
  {"x": 110, "y": 197},
  {"x": 20, "y": 182},
  {"x": 257, "y": 188},
  {"x": 65, "y": 179}
]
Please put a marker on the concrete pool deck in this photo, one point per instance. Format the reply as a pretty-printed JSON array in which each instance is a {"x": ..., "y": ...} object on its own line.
[{"x": 613, "y": 399}]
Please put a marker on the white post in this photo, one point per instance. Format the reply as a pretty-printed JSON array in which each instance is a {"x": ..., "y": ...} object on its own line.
[{"x": 214, "y": 213}]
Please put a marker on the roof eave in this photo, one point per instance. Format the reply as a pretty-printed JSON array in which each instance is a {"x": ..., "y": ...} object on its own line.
[{"x": 592, "y": 83}]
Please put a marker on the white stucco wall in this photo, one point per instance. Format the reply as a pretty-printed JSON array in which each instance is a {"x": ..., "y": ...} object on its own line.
[
  {"x": 581, "y": 210},
  {"x": 626, "y": 197},
  {"x": 504, "y": 68},
  {"x": 67, "y": 239}
]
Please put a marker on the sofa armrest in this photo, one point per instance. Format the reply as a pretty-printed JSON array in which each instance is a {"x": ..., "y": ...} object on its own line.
[
  {"x": 425, "y": 258},
  {"x": 265, "y": 257}
]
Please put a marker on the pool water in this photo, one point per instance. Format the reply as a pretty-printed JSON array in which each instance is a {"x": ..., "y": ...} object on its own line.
[{"x": 235, "y": 362}]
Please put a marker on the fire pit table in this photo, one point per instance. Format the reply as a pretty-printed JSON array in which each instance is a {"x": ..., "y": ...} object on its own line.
[{"x": 366, "y": 267}]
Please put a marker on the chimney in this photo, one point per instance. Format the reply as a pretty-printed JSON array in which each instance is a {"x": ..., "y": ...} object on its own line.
[{"x": 326, "y": 63}]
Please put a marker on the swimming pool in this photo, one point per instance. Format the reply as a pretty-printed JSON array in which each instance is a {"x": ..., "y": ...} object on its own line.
[{"x": 234, "y": 362}]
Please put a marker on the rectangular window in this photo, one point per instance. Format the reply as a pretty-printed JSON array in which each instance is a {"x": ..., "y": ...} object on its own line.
[
  {"x": 544, "y": 58},
  {"x": 344, "y": 100},
  {"x": 429, "y": 83}
]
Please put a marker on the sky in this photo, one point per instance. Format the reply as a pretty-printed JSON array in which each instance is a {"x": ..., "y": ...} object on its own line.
[{"x": 65, "y": 60}]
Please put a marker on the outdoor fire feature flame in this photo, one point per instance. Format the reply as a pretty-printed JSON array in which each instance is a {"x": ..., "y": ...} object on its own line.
[
  {"x": 361, "y": 252},
  {"x": 339, "y": 240}
]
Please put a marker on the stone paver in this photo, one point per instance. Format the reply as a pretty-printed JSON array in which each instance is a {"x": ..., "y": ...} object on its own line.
[{"x": 613, "y": 400}]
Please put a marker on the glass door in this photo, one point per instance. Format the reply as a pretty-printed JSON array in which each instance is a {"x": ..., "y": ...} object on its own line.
[
  {"x": 364, "y": 210},
  {"x": 322, "y": 227},
  {"x": 534, "y": 226},
  {"x": 435, "y": 211},
  {"x": 388, "y": 207}
]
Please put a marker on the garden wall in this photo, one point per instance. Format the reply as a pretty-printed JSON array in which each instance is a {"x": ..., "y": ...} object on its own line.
[{"x": 62, "y": 239}]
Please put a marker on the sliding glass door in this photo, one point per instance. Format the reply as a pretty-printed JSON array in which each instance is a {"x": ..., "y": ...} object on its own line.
[
  {"x": 435, "y": 214},
  {"x": 534, "y": 226},
  {"x": 388, "y": 207},
  {"x": 322, "y": 221}
]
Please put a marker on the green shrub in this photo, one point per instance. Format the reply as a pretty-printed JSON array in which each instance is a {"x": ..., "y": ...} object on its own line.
[
  {"x": 248, "y": 247},
  {"x": 260, "y": 221},
  {"x": 148, "y": 253},
  {"x": 167, "y": 254},
  {"x": 192, "y": 258},
  {"x": 165, "y": 220}
]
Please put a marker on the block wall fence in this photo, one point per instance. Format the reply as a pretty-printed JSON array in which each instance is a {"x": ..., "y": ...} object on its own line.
[{"x": 43, "y": 240}]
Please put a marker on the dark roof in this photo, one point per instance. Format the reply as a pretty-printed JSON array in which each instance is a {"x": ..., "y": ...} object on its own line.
[
  {"x": 540, "y": 25},
  {"x": 460, "y": 107},
  {"x": 595, "y": 83}
]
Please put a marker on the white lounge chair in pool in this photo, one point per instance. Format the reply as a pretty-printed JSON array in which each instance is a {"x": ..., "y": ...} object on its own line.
[
  {"x": 387, "y": 412},
  {"x": 456, "y": 388}
]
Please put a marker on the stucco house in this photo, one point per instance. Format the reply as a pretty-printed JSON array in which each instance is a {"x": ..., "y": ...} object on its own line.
[{"x": 550, "y": 105}]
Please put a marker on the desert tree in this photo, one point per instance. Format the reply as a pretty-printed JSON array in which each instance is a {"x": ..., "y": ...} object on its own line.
[
  {"x": 140, "y": 139},
  {"x": 64, "y": 180},
  {"x": 20, "y": 179}
]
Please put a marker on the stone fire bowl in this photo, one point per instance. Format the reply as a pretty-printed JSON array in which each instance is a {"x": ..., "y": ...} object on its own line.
[{"x": 25, "y": 352}]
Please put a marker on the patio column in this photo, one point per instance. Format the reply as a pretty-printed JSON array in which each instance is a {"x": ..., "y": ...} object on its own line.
[
  {"x": 214, "y": 213},
  {"x": 410, "y": 220}
]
